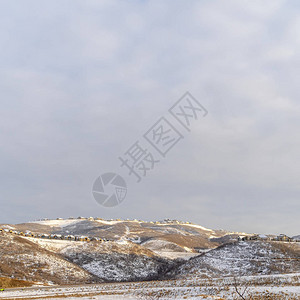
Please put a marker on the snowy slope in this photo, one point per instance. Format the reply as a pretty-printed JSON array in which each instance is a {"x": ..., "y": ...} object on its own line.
[
  {"x": 110, "y": 261},
  {"x": 181, "y": 234},
  {"x": 118, "y": 261},
  {"x": 244, "y": 258},
  {"x": 57, "y": 223},
  {"x": 22, "y": 259}
]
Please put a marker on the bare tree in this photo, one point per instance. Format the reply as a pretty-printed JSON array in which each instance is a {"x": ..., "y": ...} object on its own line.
[{"x": 241, "y": 291}]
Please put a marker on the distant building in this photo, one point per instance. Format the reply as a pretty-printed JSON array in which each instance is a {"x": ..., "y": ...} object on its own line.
[
  {"x": 296, "y": 238},
  {"x": 29, "y": 234},
  {"x": 263, "y": 237},
  {"x": 96, "y": 239},
  {"x": 254, "y": 237},
  {"x": 284, "y": 238}
]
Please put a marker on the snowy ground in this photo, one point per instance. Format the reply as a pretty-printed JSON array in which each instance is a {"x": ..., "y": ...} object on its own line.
[
  {"x": 57, "y": 223},
  {"x": 54, "y": 245},
  {"x": 176, "y": 255},
  {"x": 259, "y": 287},
  {"x": 242, "y": 259}
]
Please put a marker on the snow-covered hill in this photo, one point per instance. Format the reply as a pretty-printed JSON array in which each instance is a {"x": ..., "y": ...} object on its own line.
[
  {"x": 243, "y": 258},
  {"x": 41, "y": 251},
  {"x": 111, "y": 261},
  {"x": 22, "y": 259},
  {"x": 180, "y": 236}
]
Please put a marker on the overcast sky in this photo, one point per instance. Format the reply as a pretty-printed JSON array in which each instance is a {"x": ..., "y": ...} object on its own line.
[{"x": 81, "y": 81}]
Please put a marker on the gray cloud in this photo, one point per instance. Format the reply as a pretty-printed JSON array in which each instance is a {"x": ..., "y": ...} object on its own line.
[{"x": 82, "y": 81}]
